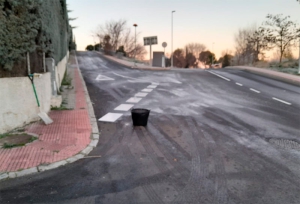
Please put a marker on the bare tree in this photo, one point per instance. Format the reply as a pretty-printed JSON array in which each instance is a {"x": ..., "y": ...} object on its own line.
[
  {"x": 121, "y": 35},
  {"x": 195, "y": 48},
  {"x": 243, "y": 49},
  {"x": 112, "y": 28},
  {"x": 285, "y": 32},
  {"x": 128, "y": 41},
  {"x": 261, "y": 40}
]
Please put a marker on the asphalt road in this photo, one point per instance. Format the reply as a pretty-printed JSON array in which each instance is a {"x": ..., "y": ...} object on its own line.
[{"x": 216, "y": 136}]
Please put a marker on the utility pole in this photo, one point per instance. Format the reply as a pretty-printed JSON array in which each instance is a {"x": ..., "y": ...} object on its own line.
[
  {"x": 172, "y": 40},
  {"x": 299, "y": 58},
  {"x": 135, "y": 25}
]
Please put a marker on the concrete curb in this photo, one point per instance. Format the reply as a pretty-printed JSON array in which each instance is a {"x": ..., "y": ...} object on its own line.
[
  {"x": 132, "y": 67},
  {"x": 276, "y": 75},
  {"x": 44, "y": 167}
]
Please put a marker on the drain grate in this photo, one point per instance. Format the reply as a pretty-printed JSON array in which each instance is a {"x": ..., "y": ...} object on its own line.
[{"x": 285, "y": 143}]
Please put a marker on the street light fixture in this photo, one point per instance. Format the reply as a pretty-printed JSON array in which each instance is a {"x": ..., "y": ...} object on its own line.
[
  {"x": 299, "y": 58},
  {"x": 172, "y": 40},
  {"x": 135, "y": 25}
]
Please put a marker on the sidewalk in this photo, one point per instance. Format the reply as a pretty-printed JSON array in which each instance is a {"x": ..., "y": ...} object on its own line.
[
  {"x": 288, "y": 78},
  {"x": 69, "y": 135},
  {"x": 136, "y": 66}
]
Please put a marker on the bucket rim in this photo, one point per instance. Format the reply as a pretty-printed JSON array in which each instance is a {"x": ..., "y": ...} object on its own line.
[{"x": 136, "y": 110}]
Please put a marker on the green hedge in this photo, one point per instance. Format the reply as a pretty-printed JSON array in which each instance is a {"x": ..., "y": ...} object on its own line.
[{"x": 33, "y": 26}]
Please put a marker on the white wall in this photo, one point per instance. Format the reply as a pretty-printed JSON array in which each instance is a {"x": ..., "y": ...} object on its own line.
[
  {"x": 18, "y": 105},
  {"x": 60, "y": 69}
]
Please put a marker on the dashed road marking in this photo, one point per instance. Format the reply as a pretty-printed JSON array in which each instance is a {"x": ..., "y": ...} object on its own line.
[
  {"x": 239, "y": 84},
  {"x": 134, "y": 100},
  {"x": 254, "y": 90},
  {"x": 124, "y": 107},
  {"x": 282, "y": 101},
  {"x": 110, "y": 117},
  {"x": 140, "y": 94},
  {"x": 147, "y": 90},
  {"x": 151, "y": 86},
  {"x": 154, "y": 83},
  {"x": 219, "y": 75}
]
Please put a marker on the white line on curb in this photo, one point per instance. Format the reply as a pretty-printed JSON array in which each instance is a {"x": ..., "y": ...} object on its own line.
[
  {"x": 255, "y": 90},
  {"x": 239, "y": 84},
  {"x": 282, "y": 101},
  {"x": 219, "y": 75}
]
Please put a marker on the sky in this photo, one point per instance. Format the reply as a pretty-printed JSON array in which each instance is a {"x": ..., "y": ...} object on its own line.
[{"x": 210, "y": 22}]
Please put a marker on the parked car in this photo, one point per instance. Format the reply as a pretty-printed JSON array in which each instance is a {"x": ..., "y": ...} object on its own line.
[{"x": 215, "y": 66}]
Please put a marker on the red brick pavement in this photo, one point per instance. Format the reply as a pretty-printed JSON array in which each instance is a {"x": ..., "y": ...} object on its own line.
[{"x": 66, "y": 136}]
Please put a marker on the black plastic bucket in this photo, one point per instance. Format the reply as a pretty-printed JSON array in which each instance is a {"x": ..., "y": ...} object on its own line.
[{"x": 140, "y": 116}]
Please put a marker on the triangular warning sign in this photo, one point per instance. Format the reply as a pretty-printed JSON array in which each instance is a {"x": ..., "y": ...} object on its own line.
[{"x": 103, "y": 78}]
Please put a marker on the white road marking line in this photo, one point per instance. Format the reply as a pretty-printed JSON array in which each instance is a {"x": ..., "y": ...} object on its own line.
[
  {"x": 154, "y": 83},
  {"x": 282, "y": 101},
  {"x": 134, "y": 100},
  {"x": 110, "y": 117},
  {"x": 124, "y": 107},
  {"x": 151, "y": 87},
  {"x": 140, "y": 94},
  {"x": 219, "y": 75},
  {"x": 103, "y": 78},
  {"x": 239, "y": 84},
  {"x": 147, "y": 90},
  {"x": 255, "y": 90},
  {"x": 124, "y": 76}
]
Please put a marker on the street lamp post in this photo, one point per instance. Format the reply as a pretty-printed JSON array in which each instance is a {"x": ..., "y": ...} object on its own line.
[
  {"x": 212, "y": 56},
  {"x": 135, "y": 25},
  {"x": 299, "y": 57},
  {"x": 172, "y": 39}
]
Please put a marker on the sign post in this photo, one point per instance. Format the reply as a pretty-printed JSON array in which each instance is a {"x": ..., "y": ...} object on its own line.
[
  {"x": 164, "y": 44},
  {"x": 150, "y": 41}
]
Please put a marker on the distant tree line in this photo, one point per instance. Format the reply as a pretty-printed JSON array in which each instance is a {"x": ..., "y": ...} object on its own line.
[
  {"x": 195, "y": 55},
  {"x": 277, "y": 32},
  {"x": 34, "y": 28}
]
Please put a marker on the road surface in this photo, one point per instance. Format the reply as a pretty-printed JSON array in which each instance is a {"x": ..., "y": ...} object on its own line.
[{"x": 213, "y": 136}]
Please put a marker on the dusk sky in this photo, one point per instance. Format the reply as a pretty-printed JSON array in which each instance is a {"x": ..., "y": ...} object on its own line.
[{"x": 202, "y": 21}]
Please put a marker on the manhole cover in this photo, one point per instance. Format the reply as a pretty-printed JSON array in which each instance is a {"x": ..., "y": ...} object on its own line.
[{"x": 285, "y": 143}]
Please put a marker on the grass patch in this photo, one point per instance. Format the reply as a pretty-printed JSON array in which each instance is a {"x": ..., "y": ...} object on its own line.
[
  {"x": 4, "y": 135},
  {"x": 67, "y": 80},
  {"x": 60, "y": 108},
  {"x": 293, "y": 71},
  {"x": 8, "y": 145},
  {"x": 32, "y": 139}
]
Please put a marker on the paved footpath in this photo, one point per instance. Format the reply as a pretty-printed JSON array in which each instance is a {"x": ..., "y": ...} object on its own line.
[{"x": 69, "y": 135}]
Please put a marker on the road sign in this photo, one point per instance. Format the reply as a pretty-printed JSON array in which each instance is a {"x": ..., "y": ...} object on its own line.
[
  {"x": 164, "y": 44},
  {"x": 150, "y": 40}
]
